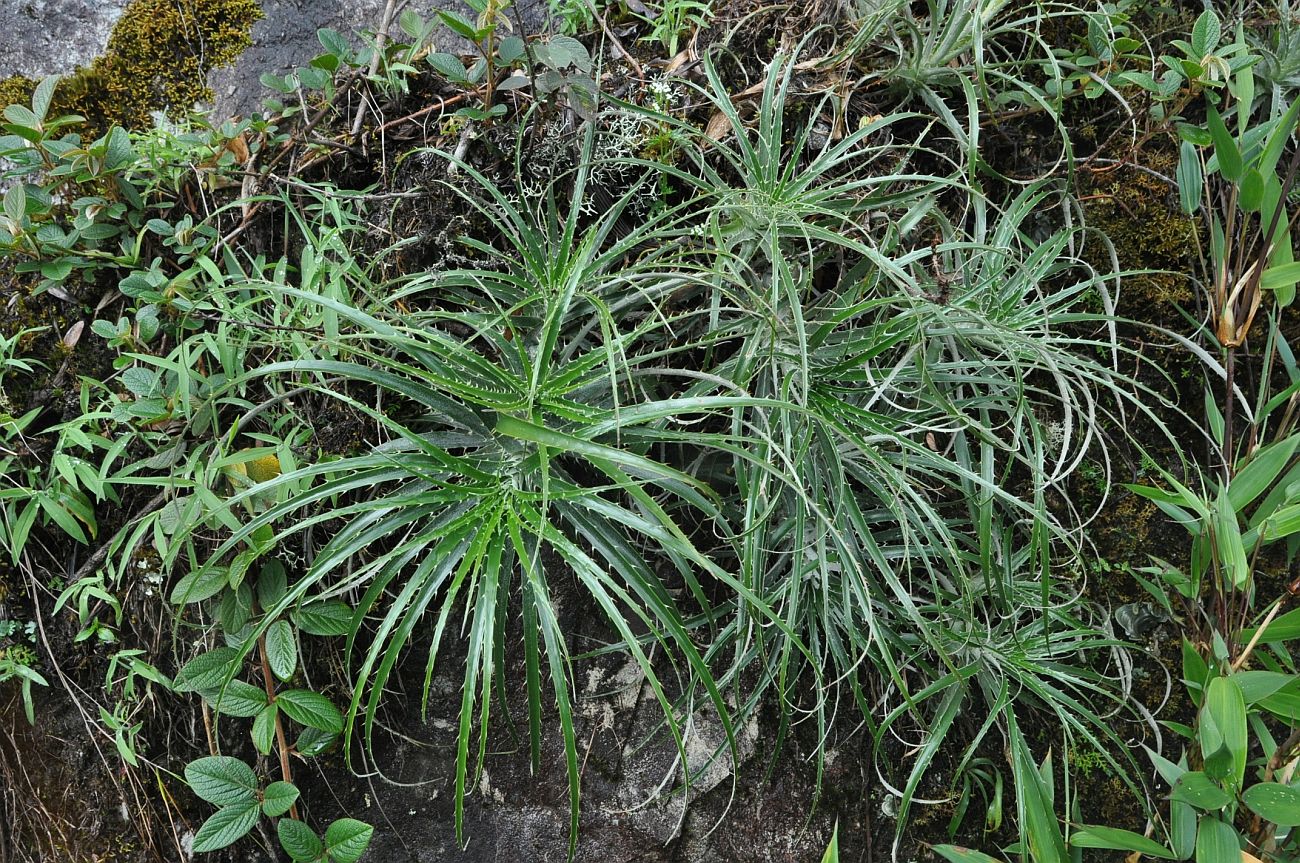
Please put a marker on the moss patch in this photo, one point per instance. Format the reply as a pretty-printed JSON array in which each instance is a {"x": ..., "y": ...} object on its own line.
[
  {"x": 1139, "y": 213},
  {"x": 157, "y": 59}
]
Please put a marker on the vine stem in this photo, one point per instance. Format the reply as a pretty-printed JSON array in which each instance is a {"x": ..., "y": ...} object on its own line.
[{"x": 286, "y": 771}]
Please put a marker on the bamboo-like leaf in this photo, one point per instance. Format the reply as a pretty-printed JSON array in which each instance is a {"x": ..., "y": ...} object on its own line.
[{"x": 1225, "y": 146}]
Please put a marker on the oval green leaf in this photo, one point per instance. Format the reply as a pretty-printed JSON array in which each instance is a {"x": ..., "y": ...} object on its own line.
[
  {"x": 221, "y": 780},
  {"x": 207, "y": 670},
  {"x": 278, "y": 798},
  {"x": 226, "y": 825},
  {"x": 346, "y": 839},
  {"x": 298, "y": 840},
  {"x": 1274, "y": 802},
  {"x": 310, "y": 709},
  {"x": 330, "y": 617},
  {"x": 281, "y": 649},
  {"x": 1195, "y": 788}
]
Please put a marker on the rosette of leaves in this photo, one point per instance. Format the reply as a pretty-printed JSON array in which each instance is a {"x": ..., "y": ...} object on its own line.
[{"x": 507, "y": 468}]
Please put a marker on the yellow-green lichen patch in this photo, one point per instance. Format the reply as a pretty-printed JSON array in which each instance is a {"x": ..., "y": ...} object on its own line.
[{"x": 157, "y": 59}]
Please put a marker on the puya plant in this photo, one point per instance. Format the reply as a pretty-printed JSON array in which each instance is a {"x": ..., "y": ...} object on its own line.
[
  {"x": 505, "y": 464},
  {"x": 897, "y": 345}
]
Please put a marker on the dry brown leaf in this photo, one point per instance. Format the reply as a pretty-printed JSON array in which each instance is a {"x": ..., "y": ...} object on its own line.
[
  {"x": 718, "y": 126},
  {"x": 239, "y": 146},
  {"x": 109, "y": 297},
  {"x": 73, "y": 335},
  {"x": 686, "y": 55}
]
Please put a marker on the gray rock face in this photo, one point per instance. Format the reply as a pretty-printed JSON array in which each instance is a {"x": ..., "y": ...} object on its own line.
[
  {"x": 53, "y": 37},
  {"x": 286, "y": 38}
]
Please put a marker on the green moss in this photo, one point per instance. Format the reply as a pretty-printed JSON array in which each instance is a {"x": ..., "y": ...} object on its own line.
[
  {"x": 1139, "y": 214},
  {"x": 157, "y": 59},
  {"x": 16, "y": 90}
]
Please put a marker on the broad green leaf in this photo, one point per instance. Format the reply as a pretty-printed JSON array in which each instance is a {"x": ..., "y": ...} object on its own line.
[
  {"x": 1196, "y": 789},
  {"x": 346, "y": 839},
  {"x": 1225, "y": 146},
  {"x": 1228, "y": 541},
  {"x": 1205, "y": 34},
  {"x": 272, "y": 582},
  {"x": 1182, "y": 829},
  {"x": 298, "y": 840},
  {"x": 1223, "y": 724},
  {"x": 235, "y": 609},
  {"x": 1284, "y": 627},
  {"x": 207, "y": 670},
  {"x": 1190, "y": 179},
  {"x": 310, "y": 709},
  {"x": 1168, "y": 770},
  {"x": 1262, "y": 471},
  {"x": 118, "y": 151},
  {"x": 958, "y": 854},
  {"x": 1258, "y": 685},
  {"x": 203, "y": 583},
  {"x": 511, "y": 49},
  {"x": 278, "y": 798},
  {"x": 221, "y": 780},
  {"x": 1244, "y": 90},
  {"x": 21, "y": 115},
  {"x": 1285, "y": 705},
  {"x": 565, "y": 51},
  {"x": 1251, "y": 195},
  {"x": 1274, "y": 802},
  {"x": 226, "y": 825},
  {"x": 330, "y": 617},
  {"x": 459, "y": 24},
  {"x": 448, "y": 66},
  {"x": 1216, "y": 842},
  {"x": 1218, "y": 765},
  {"x": 264, "y": 729},
  {"x": 314, "y": 741},
  {"x": 43, "y": 95},
  {"x": 1280, "y": 276},
  {"x": 1115, "y": 839},
  {"x": 334, "y": 42},
  {"x": 15, "y": 203},
  {"x": 236, "y": 699},
  {"x": 281, "y": 649}
]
